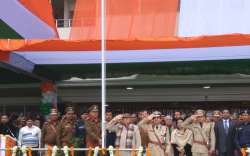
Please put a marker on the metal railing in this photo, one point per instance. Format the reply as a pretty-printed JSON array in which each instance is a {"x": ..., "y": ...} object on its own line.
[
  {"x": 60, "y": 23},
  {"x": 66, "y": 149},
  {"x": 26, "y": 151}
]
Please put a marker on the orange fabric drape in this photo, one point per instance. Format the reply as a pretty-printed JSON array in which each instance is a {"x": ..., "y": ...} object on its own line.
[
  {"x": 117, "y": 152},
  {"x": 133, "y": 152},
  {"x": 126, "y": 19},
  {"x": 49, "y": 152},
  {"x": 243, "y": 152},
  {"x": 93, "y": 45},
  {"x": 89, "y": 152},
  {"x": 148, "y": 152},
  {"x": 72, "y": 152},
  {"x": 10, "y": 142},
  {"x": 29, "y": 152}
]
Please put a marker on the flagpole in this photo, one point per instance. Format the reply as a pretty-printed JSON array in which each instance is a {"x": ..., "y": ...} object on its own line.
[{"x": 103, "y": 49}]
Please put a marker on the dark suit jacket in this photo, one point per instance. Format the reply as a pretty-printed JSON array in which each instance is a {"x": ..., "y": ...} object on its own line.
[
  {"x": 110, "y": 138},
  {"x": 225, "y": 142}
]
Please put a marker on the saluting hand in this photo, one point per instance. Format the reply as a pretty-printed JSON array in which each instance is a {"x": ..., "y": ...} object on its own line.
[
  {"x": 193, "y": 117},
  {"x": 151, "y": 116},
  {"x": 118, "y": 117}
]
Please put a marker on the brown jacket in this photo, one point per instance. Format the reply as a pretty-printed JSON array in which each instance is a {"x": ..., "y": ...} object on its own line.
[
  {"x": 65, "y": 133},
  {"x": 49, "y": 134},
  {"x": 201, "y": 134},
  {"x": 144, "y": 137},
  {"x": 93, "y": 133}
]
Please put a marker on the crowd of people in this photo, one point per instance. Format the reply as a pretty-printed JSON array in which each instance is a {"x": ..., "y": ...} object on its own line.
[{"x": 217, "y": 133}]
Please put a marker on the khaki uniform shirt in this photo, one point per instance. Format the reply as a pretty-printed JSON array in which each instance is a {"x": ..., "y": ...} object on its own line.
[
  {"x": 203, "y": 134},
  {"x": 158, "y": 138}
]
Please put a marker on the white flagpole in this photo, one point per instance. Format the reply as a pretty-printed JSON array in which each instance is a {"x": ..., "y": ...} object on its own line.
[{"x": 103, "y": 48}]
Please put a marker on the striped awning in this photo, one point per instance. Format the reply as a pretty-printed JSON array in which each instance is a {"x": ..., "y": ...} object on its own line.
[{"x": 27, "y": 19}]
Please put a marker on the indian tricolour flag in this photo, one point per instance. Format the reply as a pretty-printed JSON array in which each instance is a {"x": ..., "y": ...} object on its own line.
[
  {"x": 27, "y": 19},
  {"x": 6, "y": 142}
]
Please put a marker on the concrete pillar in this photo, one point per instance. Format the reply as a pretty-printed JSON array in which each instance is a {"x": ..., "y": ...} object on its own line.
[{"x": 66, "y": 12}]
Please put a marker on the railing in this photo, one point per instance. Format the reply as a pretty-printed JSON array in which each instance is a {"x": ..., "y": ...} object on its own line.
[
  {"x": 66, "y": 150},
  {"x": 63, "y": 23},
  {"x": 26, "y": 151}
]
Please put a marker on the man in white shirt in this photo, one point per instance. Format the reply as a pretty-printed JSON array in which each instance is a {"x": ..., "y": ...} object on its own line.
[{"x": 30, "y": 136}]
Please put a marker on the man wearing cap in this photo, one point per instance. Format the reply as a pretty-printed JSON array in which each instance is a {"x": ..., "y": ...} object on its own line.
[
  {"x": 93, "y": 128},
  {"x": 225, "y": 133},
  {"x": 157, "y": 133},
  {"x": 127, "y": 133},
  {"x": 203, "y": 134},
  {"x": 49, "y": 131},
  {"x": 242, "y": 136},
  {"x": 66, "y": 129}
]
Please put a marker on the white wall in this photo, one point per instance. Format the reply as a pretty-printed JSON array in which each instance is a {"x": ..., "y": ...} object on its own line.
[
  {"x": 214, "y": 17},
  {"x": 64, "y": 32}
]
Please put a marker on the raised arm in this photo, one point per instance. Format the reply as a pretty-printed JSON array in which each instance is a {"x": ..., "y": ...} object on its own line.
[{"x": 112, "y": 125}]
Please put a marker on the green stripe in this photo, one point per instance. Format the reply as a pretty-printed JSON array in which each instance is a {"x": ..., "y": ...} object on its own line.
[
  {"x": 7, "y": 32},
  {"x": 62, "y": 72}
]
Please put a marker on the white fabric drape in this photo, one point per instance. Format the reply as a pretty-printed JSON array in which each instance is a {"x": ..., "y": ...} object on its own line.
[{"x": 213, "y": 17}]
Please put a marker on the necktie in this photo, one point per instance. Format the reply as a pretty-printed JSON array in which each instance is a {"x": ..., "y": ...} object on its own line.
[{"x": 226, "y": 126}]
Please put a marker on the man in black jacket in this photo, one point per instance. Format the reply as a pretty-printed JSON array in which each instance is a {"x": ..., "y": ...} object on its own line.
[
  {"x": 225, "y": 133},
  {"x": 80, "y": 135},
  {"x": 242, "y": 136},
  {"x": 6, "y": 128},
  {"x": 110, "y": 136}
]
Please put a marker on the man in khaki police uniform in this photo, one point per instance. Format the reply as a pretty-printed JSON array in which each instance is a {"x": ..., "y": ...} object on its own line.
[
  {"x": 66, "y": 129},
  {"x": 203, "y": 133},
  {"x": 49, "y": 130},
  {"x": 157, "y": 134},
  {"x": 93, "y": 128}
]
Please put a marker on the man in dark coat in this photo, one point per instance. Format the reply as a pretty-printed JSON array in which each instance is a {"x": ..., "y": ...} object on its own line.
[
  {"x": 6, "y": 128},
  {"x": 225, "y": 133},
  {"x": 242, "y": 136},
  {"x": 80, "y": 135},
  {"x": 110, "y": 136}
]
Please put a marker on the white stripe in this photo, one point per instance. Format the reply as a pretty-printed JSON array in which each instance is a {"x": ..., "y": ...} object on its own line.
[
  {"x": 139, "y": 56},
  {"x": 23, "y": 21}
]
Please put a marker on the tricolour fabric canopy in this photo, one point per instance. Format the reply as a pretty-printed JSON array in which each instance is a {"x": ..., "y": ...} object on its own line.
[
  {"x": 27, "y": 19},
  {"x": 224, "y": 47},
  {"x": 58, "y": 59}
]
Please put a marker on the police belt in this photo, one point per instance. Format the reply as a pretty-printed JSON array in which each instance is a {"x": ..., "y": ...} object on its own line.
[{"x": 200, "y": 142}]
